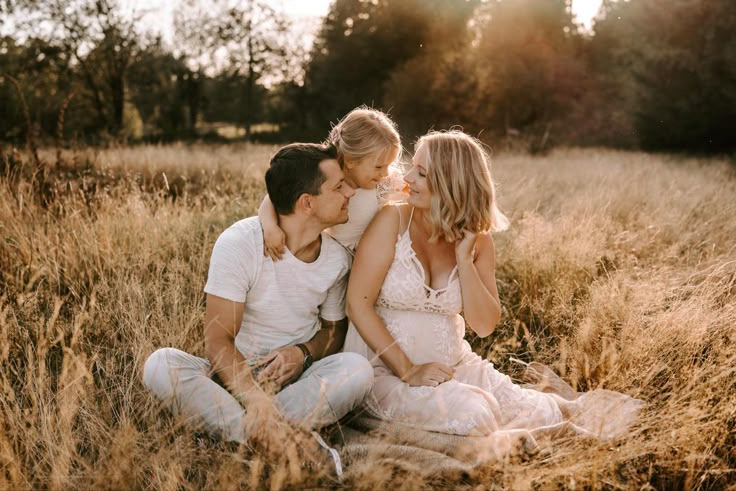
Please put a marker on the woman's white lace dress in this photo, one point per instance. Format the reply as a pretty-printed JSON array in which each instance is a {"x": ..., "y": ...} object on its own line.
[{"x": 427, "y": 325}]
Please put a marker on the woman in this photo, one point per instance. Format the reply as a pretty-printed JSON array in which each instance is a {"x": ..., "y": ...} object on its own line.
[{"x": 420, "y": 265}]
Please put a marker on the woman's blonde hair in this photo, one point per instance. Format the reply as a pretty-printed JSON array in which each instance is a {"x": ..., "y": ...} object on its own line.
[
  {"x": 463, "y": 192},
  {"x": 365, "y": 133}
]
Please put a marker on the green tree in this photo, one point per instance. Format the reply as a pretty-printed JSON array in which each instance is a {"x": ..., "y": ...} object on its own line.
[
  {"x": 99, "y": 44},
  {"x": 196, "y": 42},
  {"x": 158, "y": 86},
  {"x": 438, "y": 87},
  {"x": 357, "y": 49},
  {"x": 38, "y": 68},
  {"x": 246, "y": 40},
  {"x": 528, "y": 59},
  {"x": 678, "y": 66},
  {"x": 225, "y": 95}
]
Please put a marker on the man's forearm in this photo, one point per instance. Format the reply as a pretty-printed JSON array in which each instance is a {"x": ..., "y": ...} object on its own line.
[
  {"x": 329, "y": 339},
  {"x": 230, "y": 365}
]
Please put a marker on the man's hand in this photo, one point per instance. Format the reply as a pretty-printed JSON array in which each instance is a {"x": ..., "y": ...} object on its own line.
[{"x": 280, "y": 367}]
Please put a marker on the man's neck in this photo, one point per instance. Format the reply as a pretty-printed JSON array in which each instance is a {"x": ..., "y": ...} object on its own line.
[{"x": 302, "y": 237}]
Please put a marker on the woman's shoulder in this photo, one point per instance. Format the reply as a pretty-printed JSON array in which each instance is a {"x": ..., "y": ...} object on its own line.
[
  {"x": 389, "y": 218},
  {"x": 485, "y": 238},
  {"x": 484, "y": 246},
  {"x": 391, "y": 212}
]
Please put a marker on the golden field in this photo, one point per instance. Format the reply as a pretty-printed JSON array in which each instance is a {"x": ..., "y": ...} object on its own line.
[{"x": 619, "y": 271}]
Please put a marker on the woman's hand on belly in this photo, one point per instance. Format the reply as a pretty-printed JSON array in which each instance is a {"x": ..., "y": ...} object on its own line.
[{"x": 431, "y": 374}]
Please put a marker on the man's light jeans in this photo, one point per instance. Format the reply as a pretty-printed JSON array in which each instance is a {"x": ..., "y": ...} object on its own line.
[{"x": 327, "y": 391}]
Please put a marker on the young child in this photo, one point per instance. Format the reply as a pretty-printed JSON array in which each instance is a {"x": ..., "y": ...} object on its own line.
[{"x": 367, "y": 145}]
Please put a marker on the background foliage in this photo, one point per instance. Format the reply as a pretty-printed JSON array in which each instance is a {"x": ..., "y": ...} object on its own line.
[{"x": 653, "y": 74}]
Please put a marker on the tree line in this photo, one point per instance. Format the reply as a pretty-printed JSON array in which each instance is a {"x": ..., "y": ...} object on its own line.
[{"x": 654, "y": 74}]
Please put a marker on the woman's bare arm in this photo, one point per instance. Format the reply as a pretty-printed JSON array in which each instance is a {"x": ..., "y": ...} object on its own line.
[
  {"x": 481, "y": 305},
  {"x": 372, "y": 261}
]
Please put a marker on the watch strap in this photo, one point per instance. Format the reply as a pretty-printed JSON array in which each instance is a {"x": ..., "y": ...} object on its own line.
[
  {"x": 308, "y": 358},
  {"x": 304, "y": 349}
]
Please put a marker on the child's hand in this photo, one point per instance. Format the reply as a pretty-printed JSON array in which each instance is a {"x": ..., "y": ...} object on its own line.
[{"x": 274, "y": 243}]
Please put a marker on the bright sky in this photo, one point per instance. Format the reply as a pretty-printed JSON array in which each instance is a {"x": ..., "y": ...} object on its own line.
[
  {"x": 160, "y": 12},
  {"x": 585, "y": 10}
]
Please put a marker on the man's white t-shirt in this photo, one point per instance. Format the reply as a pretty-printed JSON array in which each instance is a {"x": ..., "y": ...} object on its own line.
[{"x": 283, "y": 299}]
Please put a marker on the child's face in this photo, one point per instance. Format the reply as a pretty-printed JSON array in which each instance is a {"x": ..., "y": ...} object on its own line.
[{"x": 366, "y": 173}]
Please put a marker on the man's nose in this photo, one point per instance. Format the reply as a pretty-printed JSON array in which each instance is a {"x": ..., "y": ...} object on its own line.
[{"x": 349, "y": 191}]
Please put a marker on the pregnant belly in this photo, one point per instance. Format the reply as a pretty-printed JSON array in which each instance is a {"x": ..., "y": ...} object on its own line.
[{"x": 425, "y": 336}]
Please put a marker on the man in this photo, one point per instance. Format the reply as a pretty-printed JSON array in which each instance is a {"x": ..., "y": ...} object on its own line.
[{"x": 274, "y": 326}]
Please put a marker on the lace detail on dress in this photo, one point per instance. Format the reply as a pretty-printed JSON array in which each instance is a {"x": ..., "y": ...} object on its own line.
[
  {"x": 405, "y": 339},
  {"x": 404, "y": 287},
  {"x": 461, "y": 426},
  {"x": 391, "y": 188},
  {"x": 445, "y": 339}
]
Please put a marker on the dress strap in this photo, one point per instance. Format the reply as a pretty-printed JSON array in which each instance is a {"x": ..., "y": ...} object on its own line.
[{"x": 403, "y": 231}]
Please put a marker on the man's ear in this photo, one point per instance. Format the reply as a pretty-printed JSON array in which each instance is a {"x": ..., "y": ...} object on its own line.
[{"x": 305, "y": 203}]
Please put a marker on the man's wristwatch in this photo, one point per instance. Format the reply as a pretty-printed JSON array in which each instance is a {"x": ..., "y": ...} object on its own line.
[{"x": 308, "y": 358}]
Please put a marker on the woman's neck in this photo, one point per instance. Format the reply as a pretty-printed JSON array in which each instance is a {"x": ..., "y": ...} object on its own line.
[{"x": 421, "y": 220}]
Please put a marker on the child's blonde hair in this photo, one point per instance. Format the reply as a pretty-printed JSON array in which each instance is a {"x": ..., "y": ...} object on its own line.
[
  {"x": 365, "y": 133},
  {"x": 463, "y": 192}
]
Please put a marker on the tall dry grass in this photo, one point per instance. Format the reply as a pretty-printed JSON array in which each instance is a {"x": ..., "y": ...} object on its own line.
[{"x": 619, "y": 271}]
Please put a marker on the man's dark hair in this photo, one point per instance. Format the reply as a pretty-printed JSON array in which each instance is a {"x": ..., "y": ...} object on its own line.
[{"x": 294, "y": 171}]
